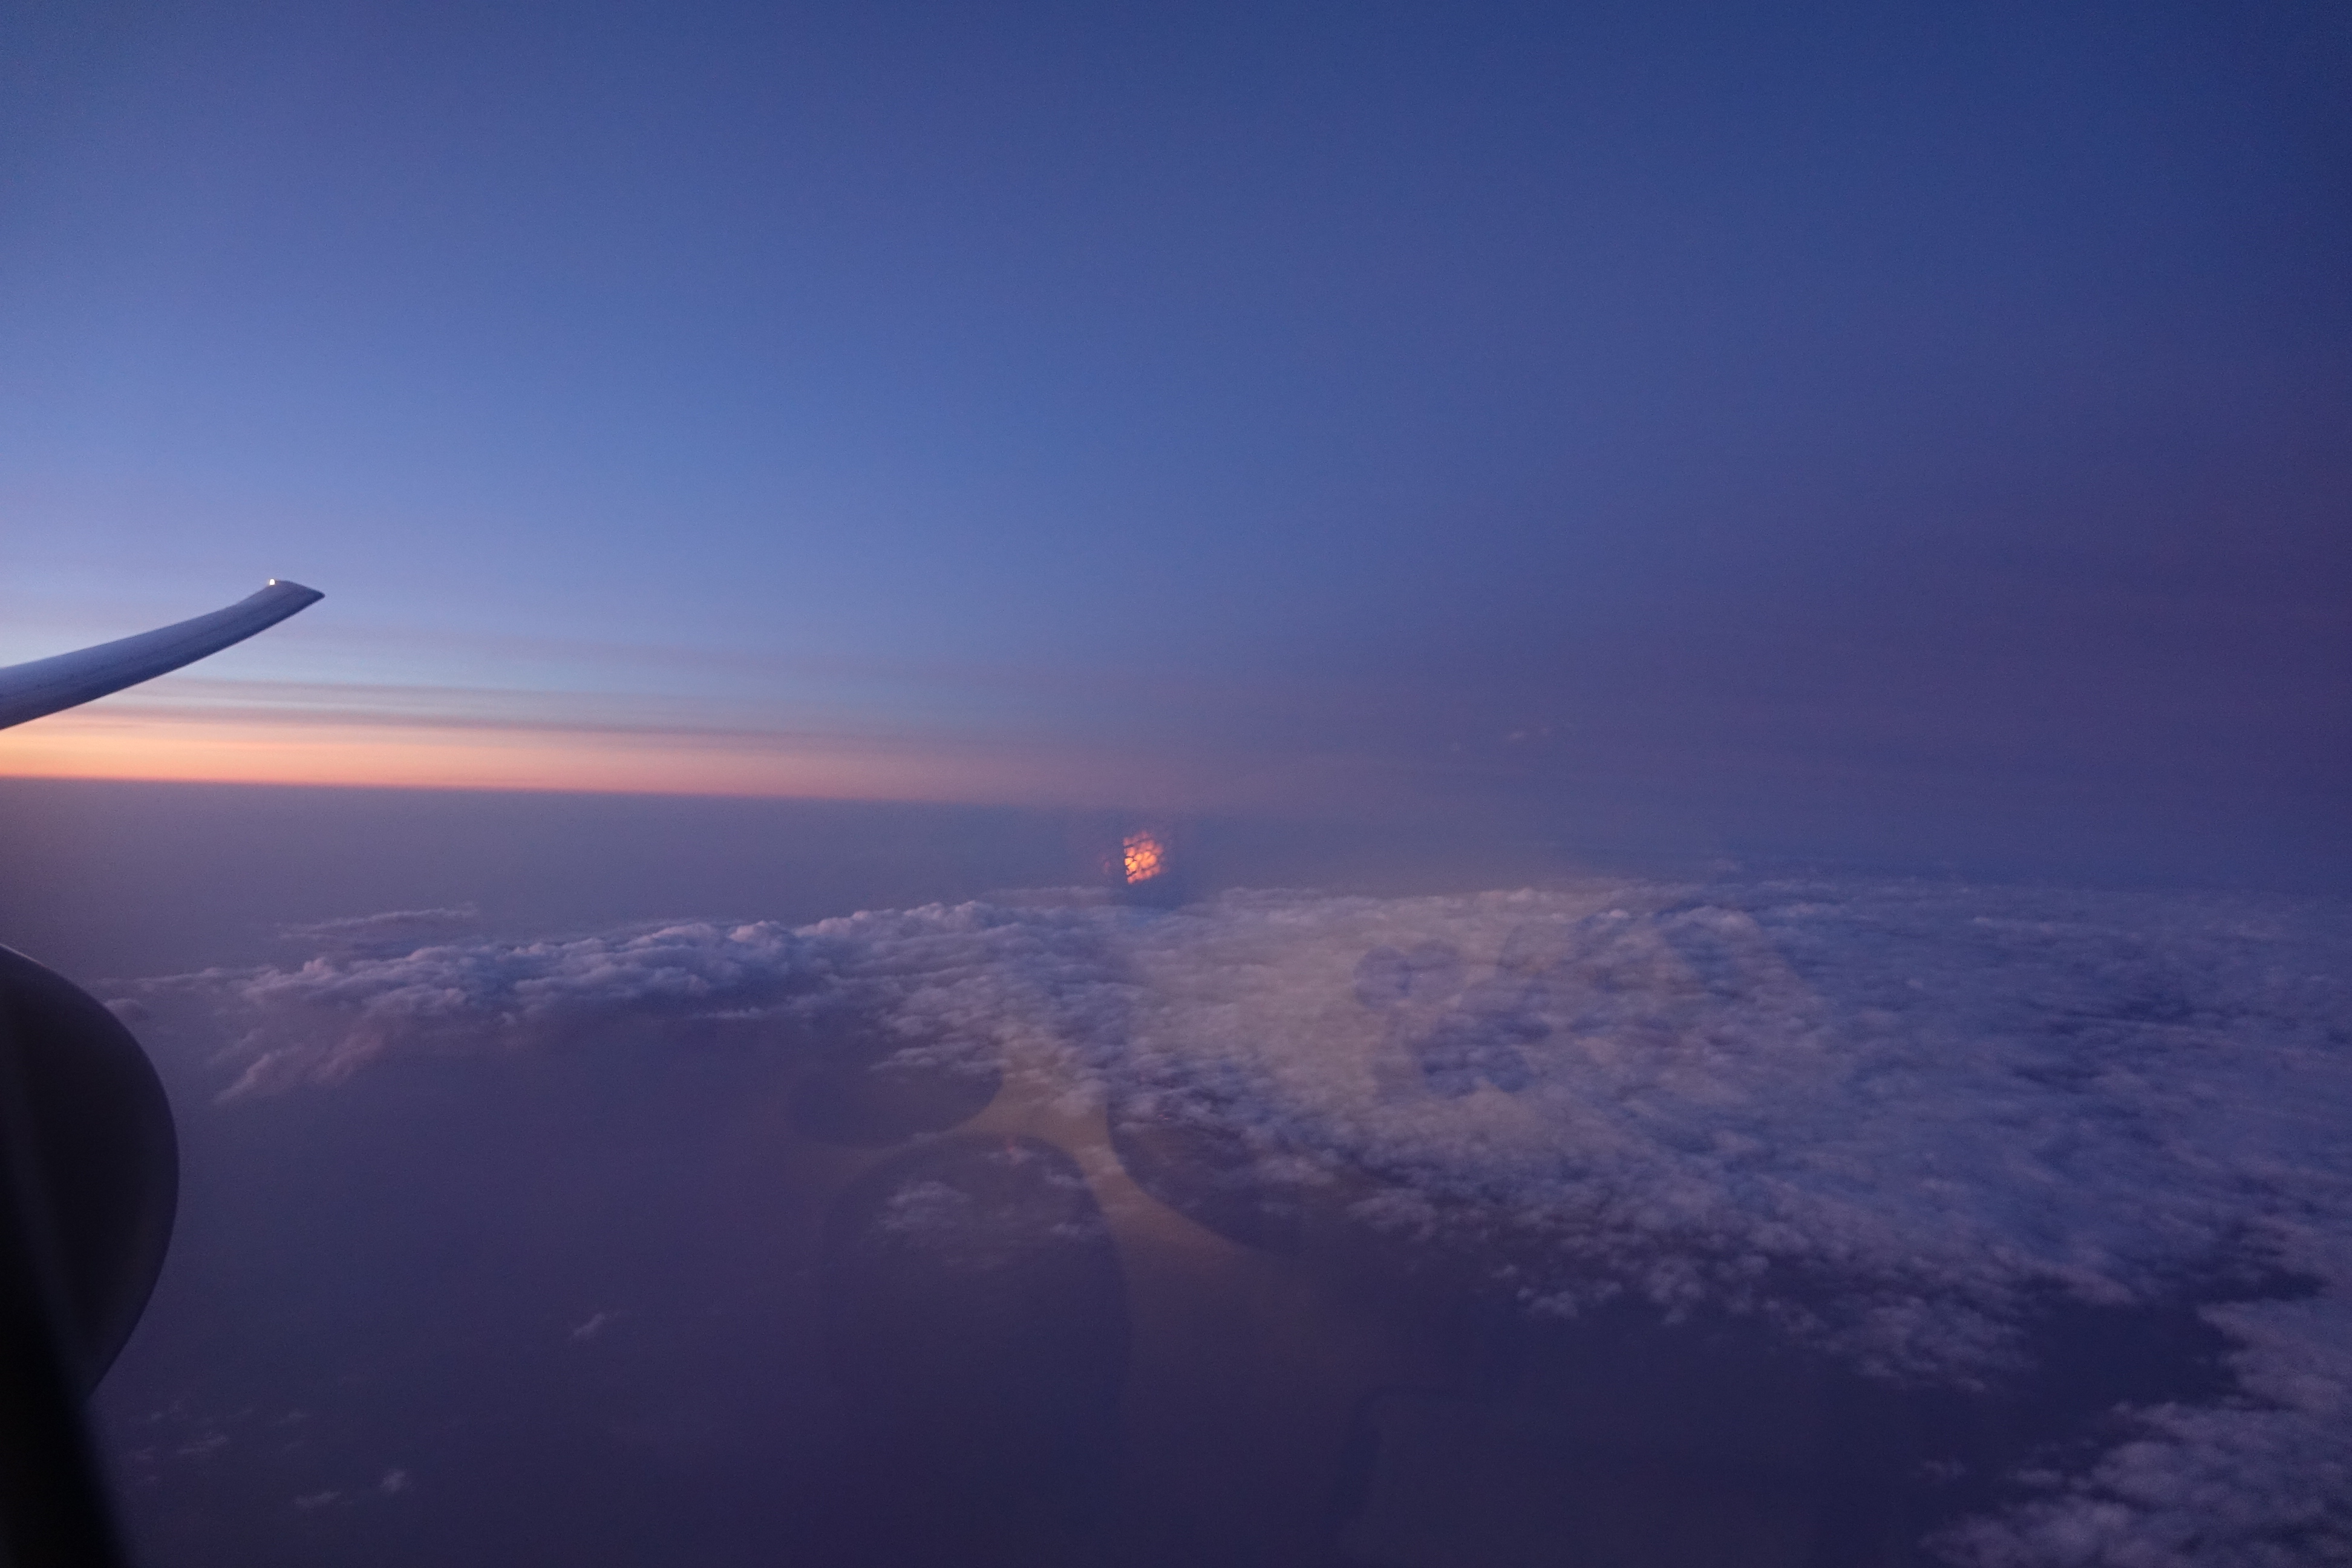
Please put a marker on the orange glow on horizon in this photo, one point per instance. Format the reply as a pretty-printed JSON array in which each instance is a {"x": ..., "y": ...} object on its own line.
[
  {"x": 420, "y": 758},
  {"x": 161, "y": 745}
]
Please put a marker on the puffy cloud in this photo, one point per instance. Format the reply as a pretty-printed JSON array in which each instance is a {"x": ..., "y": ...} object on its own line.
[
  {"x": 320, "y": 1022},
  {"x": 2265, "y": 1480},
  {"x": 1894, "y": 1118}
]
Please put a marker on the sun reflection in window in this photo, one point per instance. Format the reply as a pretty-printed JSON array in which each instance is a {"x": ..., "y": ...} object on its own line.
[{"x": 1144, "y": 858}]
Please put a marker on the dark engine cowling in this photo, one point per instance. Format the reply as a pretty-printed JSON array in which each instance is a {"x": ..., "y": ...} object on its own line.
[
  {"x": 90, "y": 1168},
  {"x": 99, "y": 1154}
]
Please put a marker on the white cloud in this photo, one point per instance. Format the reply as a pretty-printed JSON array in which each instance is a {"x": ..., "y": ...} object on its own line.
[
  {"x": 1893, "y": 1117},
  {"x": 321, "y": 1022}
]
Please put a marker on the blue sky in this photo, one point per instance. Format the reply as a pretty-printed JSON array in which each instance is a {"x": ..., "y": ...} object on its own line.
[{"x": 1312, "y": 402}]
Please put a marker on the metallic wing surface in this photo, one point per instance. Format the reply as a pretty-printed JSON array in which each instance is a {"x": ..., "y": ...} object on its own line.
[{"x": 48, "y": 685}]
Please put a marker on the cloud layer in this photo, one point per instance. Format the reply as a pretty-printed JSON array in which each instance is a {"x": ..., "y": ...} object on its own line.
[{"x": 1895, "y": 1120}]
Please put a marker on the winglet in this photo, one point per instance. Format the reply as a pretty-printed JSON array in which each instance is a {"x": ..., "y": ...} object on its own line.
[{"x": 46, "y": 685}]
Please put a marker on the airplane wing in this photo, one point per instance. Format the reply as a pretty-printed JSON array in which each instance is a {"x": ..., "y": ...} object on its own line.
[
  {"x": 89, "y": 1160},
  {"x": 46, "y": 685}
]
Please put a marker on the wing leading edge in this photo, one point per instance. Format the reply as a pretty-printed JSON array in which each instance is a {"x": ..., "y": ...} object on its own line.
[{"x": 46, "y": 685}]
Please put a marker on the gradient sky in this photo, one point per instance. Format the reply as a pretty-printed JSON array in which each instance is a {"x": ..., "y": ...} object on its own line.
[{"x": 1853, "y": 409}]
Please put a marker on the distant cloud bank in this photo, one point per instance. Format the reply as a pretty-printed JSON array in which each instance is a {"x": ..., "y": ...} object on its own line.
[{"x": 1891, "y": 1118}]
